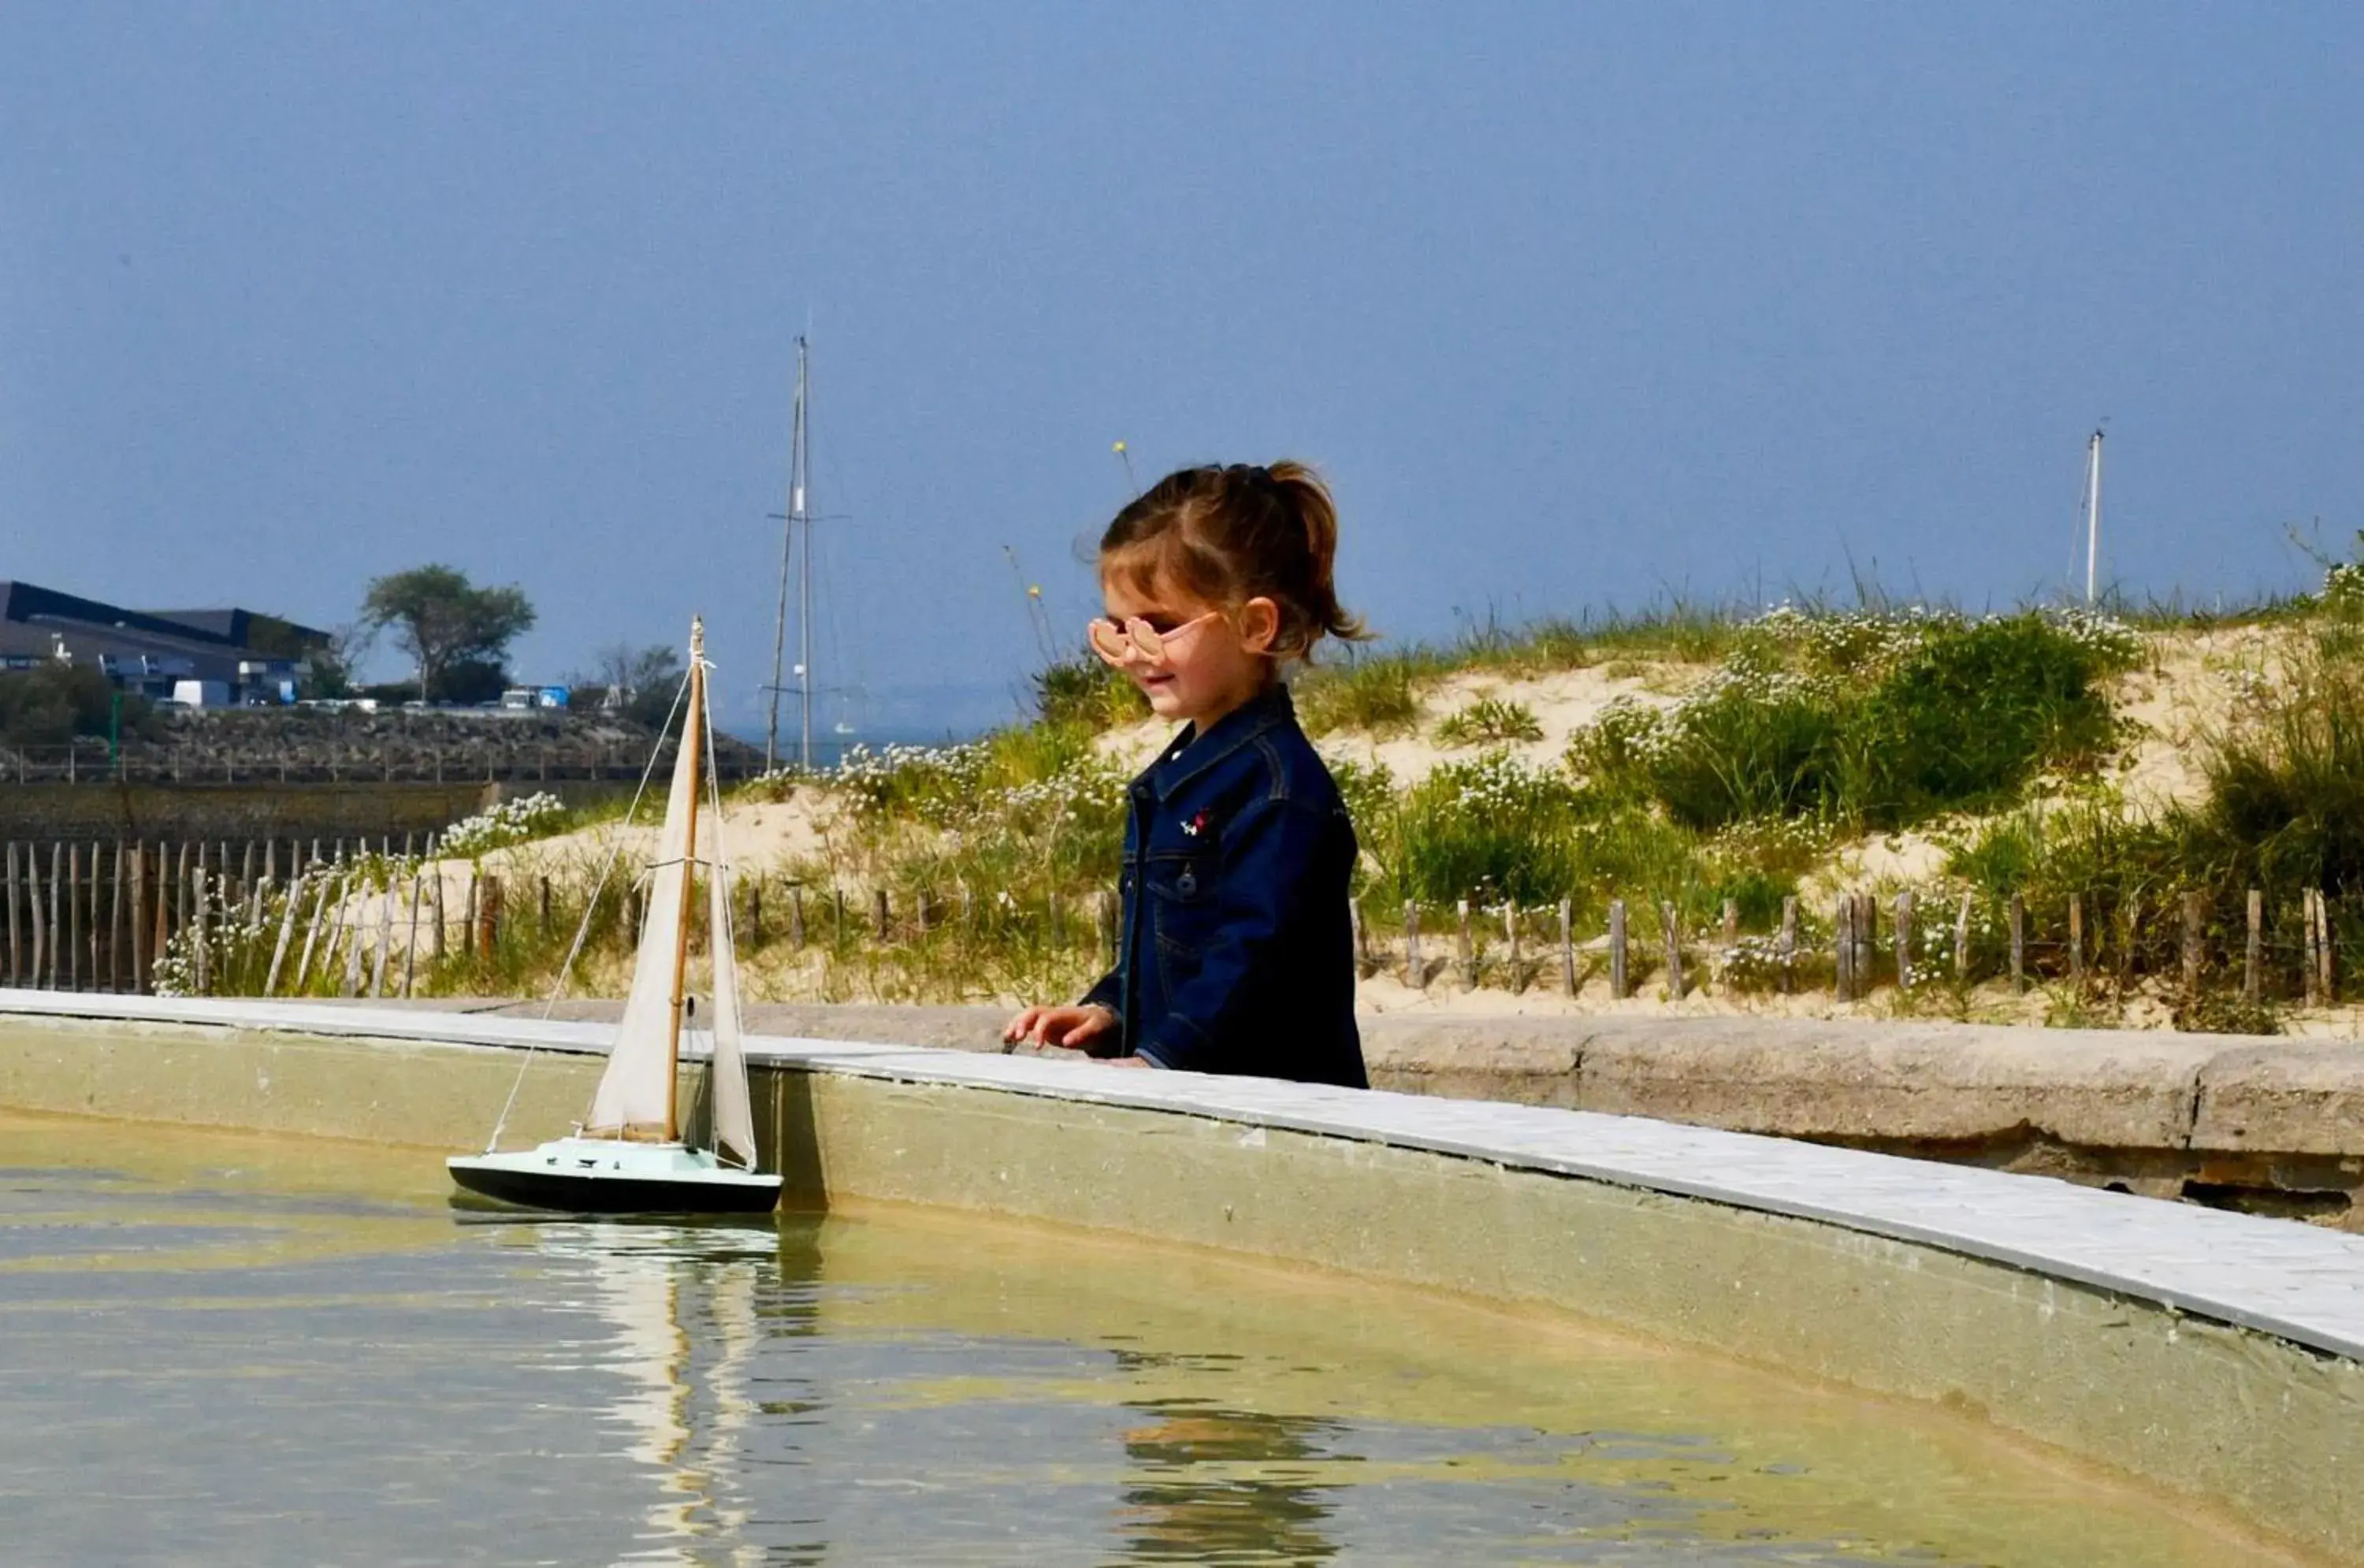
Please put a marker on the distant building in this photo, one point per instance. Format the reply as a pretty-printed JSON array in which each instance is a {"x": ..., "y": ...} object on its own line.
[{"x": 231, "y": 656}]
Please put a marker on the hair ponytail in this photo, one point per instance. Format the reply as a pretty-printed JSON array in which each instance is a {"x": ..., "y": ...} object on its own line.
[
  {"x": 1303, "y": 493},
  {"x": 1235, "y": 533}
]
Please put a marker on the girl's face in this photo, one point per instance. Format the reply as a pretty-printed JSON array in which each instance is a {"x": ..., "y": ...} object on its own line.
[{"x": 1212, "y": 662}]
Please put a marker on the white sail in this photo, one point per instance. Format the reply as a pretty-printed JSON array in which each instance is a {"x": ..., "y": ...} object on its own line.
[
  {"x": 636, "y": 1093},
  {"x": 734, "y": 1122}
]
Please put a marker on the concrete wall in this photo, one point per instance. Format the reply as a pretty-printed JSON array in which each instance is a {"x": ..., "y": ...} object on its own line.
[
  {"x": 2254, "y": 1421},
  {"x": 2257, "y": 1125}
]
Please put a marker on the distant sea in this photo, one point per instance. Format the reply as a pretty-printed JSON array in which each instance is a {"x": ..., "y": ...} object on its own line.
[{"x": 940, "y": 714}]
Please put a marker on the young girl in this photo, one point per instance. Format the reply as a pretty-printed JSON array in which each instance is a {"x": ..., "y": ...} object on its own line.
[{"x": 1237, "y": 952}]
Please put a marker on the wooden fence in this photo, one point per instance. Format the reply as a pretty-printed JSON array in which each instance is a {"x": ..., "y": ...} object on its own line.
[
  {"x": 2083, "y": 941},
  {"x": 92, "y": 916},
  {"x": 272, "y": 915}
]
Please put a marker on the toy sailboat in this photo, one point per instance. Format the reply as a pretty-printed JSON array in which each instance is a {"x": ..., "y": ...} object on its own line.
[{"x": 631, "y": 1158}]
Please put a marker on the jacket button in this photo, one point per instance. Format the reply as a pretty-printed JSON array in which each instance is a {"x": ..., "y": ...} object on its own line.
[{"x": 1187, "y": 884}]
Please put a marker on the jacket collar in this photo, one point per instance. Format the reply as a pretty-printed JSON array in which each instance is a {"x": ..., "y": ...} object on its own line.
[{"x": 1193, "y": 753}]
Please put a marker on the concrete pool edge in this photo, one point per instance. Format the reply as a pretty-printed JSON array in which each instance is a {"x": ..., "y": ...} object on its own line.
[{"x": 2216, "y": 1353}]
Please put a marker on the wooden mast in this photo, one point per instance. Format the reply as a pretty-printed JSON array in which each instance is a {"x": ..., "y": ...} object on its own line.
[{"x": 693, "y": 743}]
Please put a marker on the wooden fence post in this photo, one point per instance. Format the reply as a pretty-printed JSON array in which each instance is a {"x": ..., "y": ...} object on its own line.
[
  {"x": 2017, "y": 916},
  {"x": 356, "y": 932},
  {"x": 881, "y": 916},
  {"x": 1415, "y": 971},
  {"x": 2193, "y": 916},
  {"x": 796, "y": 915},
  {"x": 142, "y": 978},
  {"x": 1510, "y": 943},
  {"x": 329, "y": 885},
  {"x": 115, "y": 926},
  {"x": 16, "y": 949},
  {"x": 171, "y": 894},
  {"x": 199, "y": 931},
  {"x": 1363, "y": 965},
  {"x": 1673, "y": 933},
  {"x": 279, "y": 952},
  {"x": 1567, "y": 946},
  {"x": 1866, "y": 944},
  {"x": 1904, "y": 940},
  {"x": 40, "y": 924},
  {"x": 488, "y": 917},
  {"x": 57, "y": 917},
  {"x": 1843, "y": 923},
  {"x": 73, "y": 917},
  {"x": 2129, "y": 943},
  {"x": 1786, "y": 954},
  {"x": 2308, "y": 971},
  {"x": 2076, "y": 944},
  {"x": 755, "y": 910},
  {"x": 2326, "y": 950},
  {"x": 1466, "y": 951},
  {"x": 410, "y": 945},
  {"x": 1620, "y": 971},
  {"x": 541, "y": 914},
  {"x": 2251, "y": 950},
  {"x": 1962, "y": 943}
]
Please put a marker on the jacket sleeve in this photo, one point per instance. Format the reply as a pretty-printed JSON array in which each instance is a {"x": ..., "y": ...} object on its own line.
[
  {"x": 1107, "y": 991},
  {"x": 1270, "y": 852}
]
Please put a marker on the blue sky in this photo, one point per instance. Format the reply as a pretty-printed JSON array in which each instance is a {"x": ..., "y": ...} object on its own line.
[{"x": 1578, "y": 305}]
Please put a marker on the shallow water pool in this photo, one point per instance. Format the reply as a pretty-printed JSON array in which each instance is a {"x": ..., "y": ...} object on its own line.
[{"x": 222, "y": 1349}]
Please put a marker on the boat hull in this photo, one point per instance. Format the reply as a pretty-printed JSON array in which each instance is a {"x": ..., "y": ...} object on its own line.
[{"x": 588, "y": 1175}]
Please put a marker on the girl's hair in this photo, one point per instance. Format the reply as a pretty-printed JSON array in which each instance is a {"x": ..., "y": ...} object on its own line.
[{"x": 1231, "y": 534}]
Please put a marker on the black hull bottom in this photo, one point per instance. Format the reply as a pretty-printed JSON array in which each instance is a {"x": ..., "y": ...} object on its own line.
[{"x": 562, "y": 1193}]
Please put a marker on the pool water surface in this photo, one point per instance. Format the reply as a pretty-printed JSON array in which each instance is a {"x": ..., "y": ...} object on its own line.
[{"x": 225, "y": 1348}]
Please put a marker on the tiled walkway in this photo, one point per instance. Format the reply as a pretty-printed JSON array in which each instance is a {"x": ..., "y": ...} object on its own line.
[{"x": 2295, "y": 1281}]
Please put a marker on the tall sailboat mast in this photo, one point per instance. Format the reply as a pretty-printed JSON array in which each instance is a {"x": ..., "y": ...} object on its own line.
[
  {"x": 799, "y": 469},
  {"x": 799, "y": 481},
  {"x": 2092, "y": 512},
  {"x": 693, "y": 744}
]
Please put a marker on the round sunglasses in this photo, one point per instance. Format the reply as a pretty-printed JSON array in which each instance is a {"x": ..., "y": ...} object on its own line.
[{"x": 1120, "y": 642}]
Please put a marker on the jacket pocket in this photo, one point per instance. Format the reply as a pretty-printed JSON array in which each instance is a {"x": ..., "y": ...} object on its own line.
[{"x": 1182, "y": 904}]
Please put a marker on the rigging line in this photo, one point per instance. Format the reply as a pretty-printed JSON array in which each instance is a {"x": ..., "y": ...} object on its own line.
[
  {"x": 727, "y": 935},
  {"x": 590, "y": 908}
]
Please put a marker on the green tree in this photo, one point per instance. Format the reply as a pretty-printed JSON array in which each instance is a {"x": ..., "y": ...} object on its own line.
[{"x": 444, "y": 622}]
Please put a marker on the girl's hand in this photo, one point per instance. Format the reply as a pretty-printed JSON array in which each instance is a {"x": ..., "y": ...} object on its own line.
[{"x": 1070, "y": 1028}]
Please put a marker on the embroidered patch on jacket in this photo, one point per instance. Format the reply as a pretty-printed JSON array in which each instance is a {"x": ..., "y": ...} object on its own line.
[{"x": 1195, "y": 826}]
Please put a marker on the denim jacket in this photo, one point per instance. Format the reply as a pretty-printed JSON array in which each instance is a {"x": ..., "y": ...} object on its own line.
[{"x": 1237, "y": 952}]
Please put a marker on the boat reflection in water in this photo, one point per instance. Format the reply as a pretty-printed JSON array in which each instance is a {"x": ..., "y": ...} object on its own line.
[{"x": 680, "y": 1302}]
